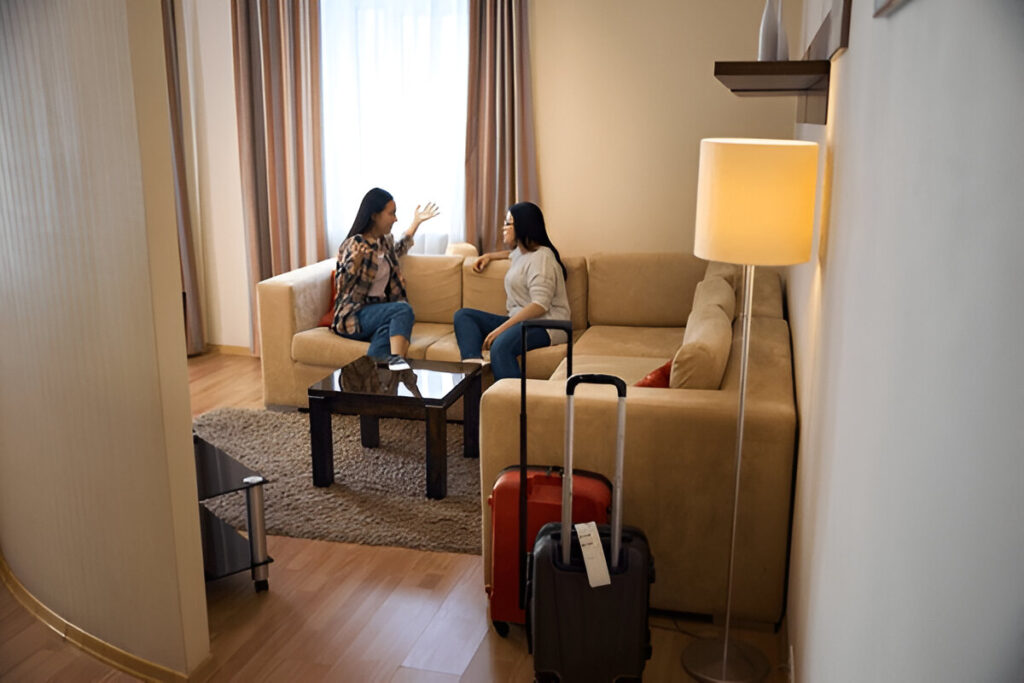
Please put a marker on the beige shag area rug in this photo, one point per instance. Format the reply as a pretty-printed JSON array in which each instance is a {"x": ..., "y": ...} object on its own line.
[{"x": 378, "y": 496}]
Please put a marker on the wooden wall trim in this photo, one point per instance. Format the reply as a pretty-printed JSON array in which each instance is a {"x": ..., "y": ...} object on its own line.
[{"x": 100, "y": 649}]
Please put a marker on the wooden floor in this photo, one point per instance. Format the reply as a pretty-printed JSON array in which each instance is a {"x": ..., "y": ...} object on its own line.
[{"x": 340, "y": 612}]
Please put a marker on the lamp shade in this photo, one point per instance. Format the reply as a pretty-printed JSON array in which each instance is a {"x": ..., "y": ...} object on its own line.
[{"x": 755, "y": 201}]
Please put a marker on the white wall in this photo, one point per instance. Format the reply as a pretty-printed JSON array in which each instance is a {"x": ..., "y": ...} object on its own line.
[
  {"x": 98, "y": 515},
  {"x": 909, "y": 534},
  {"x": 623, "y": 93},
  {"x": 215, "y": 178}
]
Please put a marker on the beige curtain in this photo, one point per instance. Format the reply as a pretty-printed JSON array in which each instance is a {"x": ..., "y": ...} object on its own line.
[
  {"x": 501, "y": 163},
  {"x": 277, "y": 85},
  {"x": 195, "y": 342}
]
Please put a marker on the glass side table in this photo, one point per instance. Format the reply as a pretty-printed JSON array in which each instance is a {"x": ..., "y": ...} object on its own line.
[{"x": 225, "y": 551}]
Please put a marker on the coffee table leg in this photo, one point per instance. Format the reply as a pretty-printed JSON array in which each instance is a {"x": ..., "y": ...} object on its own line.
[
  {"x": 437, "y": 454},
  {"x": 471, "y": 418},
  {"x": 369, "y": 431},
  {"x": 322, "y": 441}
]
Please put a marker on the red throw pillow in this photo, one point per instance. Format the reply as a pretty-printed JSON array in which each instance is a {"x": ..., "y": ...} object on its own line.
[
  {"x": 327, "y": 318},
  {"x": 657, "y": 377}
]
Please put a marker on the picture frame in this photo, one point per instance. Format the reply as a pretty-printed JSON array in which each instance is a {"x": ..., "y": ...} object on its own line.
[{"x": 884, "y": 8}]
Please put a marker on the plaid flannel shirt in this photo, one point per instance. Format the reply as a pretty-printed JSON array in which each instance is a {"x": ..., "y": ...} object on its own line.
[{"x": 354, "y": 274}]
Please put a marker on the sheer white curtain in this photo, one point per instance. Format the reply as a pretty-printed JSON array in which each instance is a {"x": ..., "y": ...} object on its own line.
[{"x": 394, "y": 110}]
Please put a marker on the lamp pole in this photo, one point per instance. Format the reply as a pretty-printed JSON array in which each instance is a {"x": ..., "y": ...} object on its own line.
[{"x": 708, "y": 660}]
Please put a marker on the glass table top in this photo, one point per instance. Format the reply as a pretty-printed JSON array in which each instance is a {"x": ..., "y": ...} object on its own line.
[
  {"x": 426, "y": 380},
  {"x": 218, "y": 473}
]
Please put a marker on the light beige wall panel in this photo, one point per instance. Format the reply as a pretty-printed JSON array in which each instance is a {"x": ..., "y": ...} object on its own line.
[
  {"x": 907, "y": 542},
  {"x": 93, "y": 398},
  {"x": 153, "y": 121},
  {"x": 623, "y": 93},
  {"x": 217, "y": 173}
]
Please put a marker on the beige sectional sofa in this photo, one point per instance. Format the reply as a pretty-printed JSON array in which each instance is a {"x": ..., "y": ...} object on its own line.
[
  {"x": 680, "y": 443},
  {"x": 630, "y": 315},
  {"x": 296, "y": 352}
]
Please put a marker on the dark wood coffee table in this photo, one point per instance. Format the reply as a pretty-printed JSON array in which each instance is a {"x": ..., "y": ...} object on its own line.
[{"x": 425, "y": 392}]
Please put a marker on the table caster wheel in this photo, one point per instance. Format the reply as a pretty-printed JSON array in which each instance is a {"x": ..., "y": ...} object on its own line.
[{"x": 262, "y": 585}]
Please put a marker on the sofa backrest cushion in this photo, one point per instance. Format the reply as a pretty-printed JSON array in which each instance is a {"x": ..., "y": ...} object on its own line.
[
  {"x": 434, "y": 286},
  {"x": 486, "y": 291},
  {"x": 647, "y": 290},
  {"x": 700, "y": 362},
  {"x": 767, "y": 295},
  {"x": 767, "y": 301},
  {"x": 715, "y": 291},
  {"x": 730, "y": 272}
]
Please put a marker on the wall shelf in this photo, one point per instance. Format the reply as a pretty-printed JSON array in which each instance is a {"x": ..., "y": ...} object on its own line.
[
  {"x": 807, "y": 78},
  {"x": 774, "y": 78}
]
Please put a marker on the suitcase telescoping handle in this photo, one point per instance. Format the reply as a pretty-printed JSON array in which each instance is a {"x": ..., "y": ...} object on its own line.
[
  {"x": 566, "y": 326},
  {"x": 620, "y": 446}
]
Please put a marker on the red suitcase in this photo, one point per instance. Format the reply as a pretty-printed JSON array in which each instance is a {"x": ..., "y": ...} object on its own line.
[{"x": 538, "y": 503}]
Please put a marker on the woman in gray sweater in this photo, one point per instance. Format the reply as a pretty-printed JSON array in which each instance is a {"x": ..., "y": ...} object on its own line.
[{"x": 534, "y": 288}]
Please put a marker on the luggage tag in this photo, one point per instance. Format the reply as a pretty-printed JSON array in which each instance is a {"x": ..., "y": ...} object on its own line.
[{"x": 593, "y": 554}]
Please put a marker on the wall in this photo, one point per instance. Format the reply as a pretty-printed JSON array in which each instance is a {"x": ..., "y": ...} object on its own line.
[
  {"x": 215, "y": 184},
  {"x": 908, "y": 541},
  {"x": 98, "y": 518},
  {"x": 623, "y": 93}
]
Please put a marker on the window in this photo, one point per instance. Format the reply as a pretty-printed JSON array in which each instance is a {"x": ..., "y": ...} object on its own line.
[{"x": 394, "y": 109}]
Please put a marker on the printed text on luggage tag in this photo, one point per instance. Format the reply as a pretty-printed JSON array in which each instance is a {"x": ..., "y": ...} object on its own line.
[{"x": 593, "y": 554}]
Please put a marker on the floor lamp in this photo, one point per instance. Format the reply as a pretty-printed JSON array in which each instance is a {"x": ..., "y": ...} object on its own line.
[{"x": 755, "y": 207}]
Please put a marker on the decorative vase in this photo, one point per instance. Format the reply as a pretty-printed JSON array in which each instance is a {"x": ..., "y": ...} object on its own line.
[
  {"x": 783, "y": 45},
  {"x": 768, "y": 41}
]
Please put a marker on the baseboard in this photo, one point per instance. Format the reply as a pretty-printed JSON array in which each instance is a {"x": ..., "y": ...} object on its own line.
[
  {"x": 228, "y": 350},
  {"x": 98, "y": 648}
]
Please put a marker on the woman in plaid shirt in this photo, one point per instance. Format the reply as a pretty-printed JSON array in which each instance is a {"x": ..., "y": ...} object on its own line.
[{"x": 371, "y": 303}]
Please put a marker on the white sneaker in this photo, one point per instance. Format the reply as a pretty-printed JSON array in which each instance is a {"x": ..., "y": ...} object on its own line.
[{"x": 396, "y": 362}]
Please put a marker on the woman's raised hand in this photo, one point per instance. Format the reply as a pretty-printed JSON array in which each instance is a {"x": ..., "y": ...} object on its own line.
[
  {"x": 426, "y": 213},
  {"x": 481, "y": 263}
]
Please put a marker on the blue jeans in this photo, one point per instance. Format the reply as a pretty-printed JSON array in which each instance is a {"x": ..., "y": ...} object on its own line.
[
  {"x": 379, "y": 322},
  {"x": 472, "y": 326}
]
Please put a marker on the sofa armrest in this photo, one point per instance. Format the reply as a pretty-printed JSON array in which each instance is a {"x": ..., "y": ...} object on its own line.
[
  {"x": 289, "y": 303},
  {"x": 678, "y": 482}
]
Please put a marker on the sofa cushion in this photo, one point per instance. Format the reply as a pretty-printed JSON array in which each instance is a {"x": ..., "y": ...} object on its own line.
[
  {"x": 434, "y": 286},
  {"x": 320, "y": 346},
  {"x": 540, "y": 363},
  {"x": 767, "y": 301},
  {"x": 649, "y": 290},
  {"x": 649, "y": 342},
  {"x": 715, "y": 291},
  {"x": 484, "y": 291},
  {"x": 630, "y": 368},
  {"x": 658, "y": 377},
  {"x": 700, "y": 361},
  {"x": 328, "y": 317},
  {"x": 730, "y": 272}
]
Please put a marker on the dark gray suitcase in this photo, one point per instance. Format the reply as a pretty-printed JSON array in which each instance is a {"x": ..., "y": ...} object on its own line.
[{"x": 579, "y": 633}]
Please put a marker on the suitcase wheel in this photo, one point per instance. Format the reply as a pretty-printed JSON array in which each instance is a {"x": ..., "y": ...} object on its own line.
[{"x": 501, "y": 628}]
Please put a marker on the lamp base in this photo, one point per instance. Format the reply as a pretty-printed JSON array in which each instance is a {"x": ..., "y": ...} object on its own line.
[{"x": 702, "y": 659}]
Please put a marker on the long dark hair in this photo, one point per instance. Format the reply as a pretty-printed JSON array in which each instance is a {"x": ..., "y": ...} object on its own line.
[
  {"x": 528, "y": 224},
  {"x": 373, "y": 202}
]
